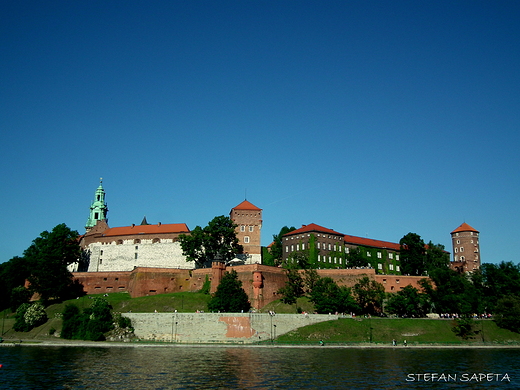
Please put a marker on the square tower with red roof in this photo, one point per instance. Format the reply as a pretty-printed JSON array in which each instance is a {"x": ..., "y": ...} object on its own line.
[{"x": 248, "y": 217}]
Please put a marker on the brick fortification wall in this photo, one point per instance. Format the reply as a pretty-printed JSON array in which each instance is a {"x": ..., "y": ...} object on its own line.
[{"x": 260, "y": 282}]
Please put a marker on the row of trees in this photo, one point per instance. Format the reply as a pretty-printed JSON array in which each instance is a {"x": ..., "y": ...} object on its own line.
[
  {"x": 366, "y": 297},
  {"x": 495, "y": 288}
]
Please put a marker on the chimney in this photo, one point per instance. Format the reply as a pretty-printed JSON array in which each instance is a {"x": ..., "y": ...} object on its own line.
[{"x": 159, "y": 224}]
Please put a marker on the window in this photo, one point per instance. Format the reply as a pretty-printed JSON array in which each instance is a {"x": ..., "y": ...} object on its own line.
[
  {"x": 135, "y": 255},
  {"x": 397, "y": 268},
  {"x": 303, "y": 246},
  {"x": 458, "y": 241},
  {"x": 391, "y": 266},
  {"x": 369, "y": 254},
  {"x": 292, "y": 248},
  {"x": 246, "y": 239},
  {"x": 462, "y": 249},
  {"x": 319, "y": 258},
  {"x": 286, "y": 248},
  {"x": 318, "y": 245},
  {"x": 136, "y": 247},
  {"x": 347, "y": 249},
  {"x": 456, "y": 250},
  {"x": 379, "y": 266},
  {"x": 242, "y": 228},
  {"x": 101, "y": 253},
  {"x": 251, "y": 228},
  {"x": 390, "y": 255},
  {"x": 397, "y": 257},
  {"x": 379, "y": 255},
  {"x": 297, "y": 247}
]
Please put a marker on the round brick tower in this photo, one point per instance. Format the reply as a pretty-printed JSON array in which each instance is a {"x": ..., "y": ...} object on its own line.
[{"x": 466, "y": 249}]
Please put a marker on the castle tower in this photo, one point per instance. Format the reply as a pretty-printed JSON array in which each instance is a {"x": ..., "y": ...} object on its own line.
[
  {"x": 248, "y": 217},
  {"x": 98, "y": 208},
  {"x": 466, "y": 249}
]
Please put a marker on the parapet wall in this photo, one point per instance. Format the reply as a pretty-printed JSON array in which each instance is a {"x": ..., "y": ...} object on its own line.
[
  {"x": 218, "y": 327},
  {"x": 260, "y": 282}
]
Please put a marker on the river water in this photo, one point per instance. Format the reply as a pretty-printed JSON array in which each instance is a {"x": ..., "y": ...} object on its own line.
[{"x": 227, "y": 367}]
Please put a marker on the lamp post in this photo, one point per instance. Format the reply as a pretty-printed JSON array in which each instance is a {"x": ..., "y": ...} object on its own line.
[{"x": 274, "y": 331}]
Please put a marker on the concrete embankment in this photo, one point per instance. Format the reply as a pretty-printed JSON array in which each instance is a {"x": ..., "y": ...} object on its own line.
[{"x": 218, "y": 327}]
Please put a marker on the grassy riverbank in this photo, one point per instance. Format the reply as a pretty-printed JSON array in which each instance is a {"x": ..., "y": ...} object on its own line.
[{"x": 354, "y": 331}]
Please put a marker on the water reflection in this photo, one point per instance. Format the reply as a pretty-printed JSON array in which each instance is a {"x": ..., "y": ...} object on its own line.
[{"x": 248, "y": 368}]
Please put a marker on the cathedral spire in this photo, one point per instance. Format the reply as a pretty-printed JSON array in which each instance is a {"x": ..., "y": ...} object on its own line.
[{"x": 98, "y": 208}]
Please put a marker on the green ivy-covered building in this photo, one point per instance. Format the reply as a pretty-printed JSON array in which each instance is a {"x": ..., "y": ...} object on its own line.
[{"x": 314, "y": 246}]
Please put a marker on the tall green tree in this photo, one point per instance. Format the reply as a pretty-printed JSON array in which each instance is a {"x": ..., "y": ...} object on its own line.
[
  {"x": 408, "y": 302},
  {"x": 293, "y": 288},
  {"x": 436, "y": 257},
  {"x": 230, "y": 297},
  {"x": 277, "y": 246},
  {"x": 328, "y": 297},
  {"x": 507, "y": 313},
  {"x": 499, "y": 280},
  {"x": 369, "y": 295},
  {"x": 48, "y": 258},
  {"x": 217, "y": 240},
  {"x": 452, "y": 292},
  {"x": 413, "y": 255},
  {"x": 13, "y": 274}
]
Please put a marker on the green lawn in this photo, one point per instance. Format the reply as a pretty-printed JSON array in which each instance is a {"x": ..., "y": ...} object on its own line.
[{"x": 347, "y": 330}]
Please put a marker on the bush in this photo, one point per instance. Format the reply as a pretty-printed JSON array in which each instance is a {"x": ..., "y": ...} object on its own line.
[
  {"x": 29, "y": 316},
  {"x": 92, "y": 324}
]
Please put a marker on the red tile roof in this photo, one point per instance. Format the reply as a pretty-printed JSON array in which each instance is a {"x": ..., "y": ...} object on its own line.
[
  {"x": 312, "y": 228},
  {"x": 372, "y": 243},
  {"x": 464, "y": 228},
  {"x": 246, "y": 205},
  {"x": 147, "y": 229}
]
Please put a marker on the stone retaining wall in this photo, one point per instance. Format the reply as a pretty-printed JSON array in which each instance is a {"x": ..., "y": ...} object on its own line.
[{"x": 218, "y": 327}]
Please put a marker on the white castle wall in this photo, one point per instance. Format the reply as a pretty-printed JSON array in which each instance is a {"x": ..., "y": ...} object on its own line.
[{"x": 128, "y": 255}]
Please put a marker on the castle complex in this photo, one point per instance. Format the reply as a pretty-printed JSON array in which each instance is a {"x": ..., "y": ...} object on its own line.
[{"x": 147, "y": 259}]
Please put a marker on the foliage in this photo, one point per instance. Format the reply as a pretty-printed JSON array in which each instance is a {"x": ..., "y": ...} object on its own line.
[
  {"x": 293, "y": 288},
  {"x": 206, "y": 287},
  {"x": 408, "y": 302},
  {"x": 413, "y": 259},
  {"x": 436, "y": 257},
  {"x": 277, "y": 246},
  {"x": 217, "y": 240},
  {"x": 369, "y": 295},
  {"x": 464, "y": 327},
  {"x": 91, "y": 324},
  {"x": 29, "y": 316},
  {"x": 507, "y": 313},
  {"x": 454, "y": 293},
  {"x": 355, "y": 258},
  {"x": 19, "y": 295},
  {"x": 328, "y": 297},
  {"x": 48, "y": 258},
  {"x": 498, "y": 281},
  {"x": 310, "y": 278},
  {"x": 230, "y": 296},
  {"x": 298, "y": 260},
  {"x": 13, "y": 274}
]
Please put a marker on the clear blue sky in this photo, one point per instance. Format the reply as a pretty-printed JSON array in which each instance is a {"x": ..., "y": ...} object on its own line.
[{"x": 372, "y": 118}]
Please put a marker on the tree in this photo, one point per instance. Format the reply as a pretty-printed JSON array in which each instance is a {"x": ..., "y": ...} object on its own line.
[
  {"x": 436, "y": 257},
  {"x": 13, "y": 274},
  {"x": 507, "y": 313},
  {"x": 293, "y": 288},
  {"x": 91, "y": 324},
  {"x": 413, "y": 259},
  {"x": 298, "y": 260},
  {"x": 369, "y": 295},
  {"x": 277, "y": 246},
  {"x": 48, "y": 258},
  {"x": 29, "y": 316},
  {"x": 328, "y": 297},
  {"x": 408, "y": 302},
  {"x": 355, "y": 258},
  {"x": 454, "y": 293},
  {"x": 499, "y": 280},
  {"x": 310, "y": 278},
  {"x": 217, "y": 240},
  {"x": 230, "y": 296}
]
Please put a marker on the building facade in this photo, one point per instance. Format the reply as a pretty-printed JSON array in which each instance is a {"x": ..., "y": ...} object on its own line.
[
  {"x": 248, "y": 217},
  {"x": 326, "y": 248},
  {"x": 466, "y": 249},
  {"x": 121, "y": 249}
]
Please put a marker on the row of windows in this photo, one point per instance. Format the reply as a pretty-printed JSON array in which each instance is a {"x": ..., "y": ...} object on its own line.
[
  {"x": 339, "y": 249},
  {"x": 243, "y": 228},
  {"x": 317, "y": 235}
]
